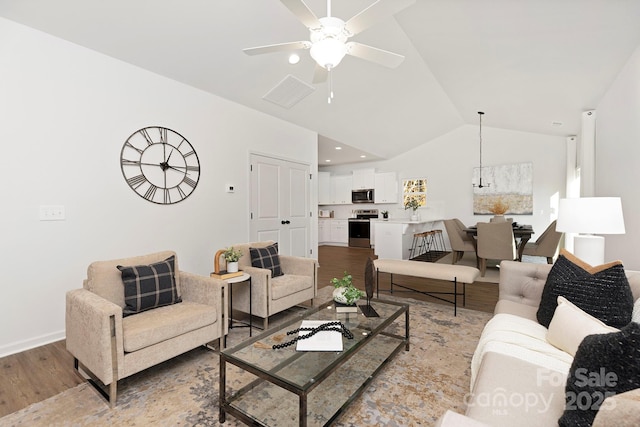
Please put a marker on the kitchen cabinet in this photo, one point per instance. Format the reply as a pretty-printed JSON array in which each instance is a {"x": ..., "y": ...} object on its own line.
[
  {"x": 333, "y": 232},
  {"x": 363, "y": 179},
  {"x": 386, "y": 188},
  {"x": 339, "y": 232},
  {"x": 324, "y": 230},
  {"x": 341, "y": 189},
  {"x": 324, "y": 188}
]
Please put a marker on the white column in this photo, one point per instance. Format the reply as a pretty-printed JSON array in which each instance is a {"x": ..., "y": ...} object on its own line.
[
  {"x": 573, "y": 182},
  {"x": 587, "y": 161}
]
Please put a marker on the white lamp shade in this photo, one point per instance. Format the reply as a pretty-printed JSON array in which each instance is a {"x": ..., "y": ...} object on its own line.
[
  {"x": 591, "y": 215},
  {"x": 328, "y": 52}
]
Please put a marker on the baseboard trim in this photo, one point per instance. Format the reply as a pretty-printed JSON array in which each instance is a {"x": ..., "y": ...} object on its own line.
[{"x": 20, "y": 346}]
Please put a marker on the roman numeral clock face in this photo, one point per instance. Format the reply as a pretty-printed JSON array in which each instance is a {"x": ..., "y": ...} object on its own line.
[{"x": 160, "y": 165}]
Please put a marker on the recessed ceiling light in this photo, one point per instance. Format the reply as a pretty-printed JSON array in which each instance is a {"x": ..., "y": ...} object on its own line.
[
  {"x": 338, "y": 148},
  {"x": 328, "y": 161},
  {"x": 362, "y": 156},
  {"x": 294, "y": 58}
]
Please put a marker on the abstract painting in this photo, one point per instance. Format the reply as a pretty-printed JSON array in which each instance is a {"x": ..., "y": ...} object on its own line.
[{"x": 510, "y": 185}]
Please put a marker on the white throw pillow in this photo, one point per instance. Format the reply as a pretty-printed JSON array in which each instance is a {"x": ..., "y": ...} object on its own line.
[
  {"x": 635, "y": 317},
  {"x": 570, "y": 325}
]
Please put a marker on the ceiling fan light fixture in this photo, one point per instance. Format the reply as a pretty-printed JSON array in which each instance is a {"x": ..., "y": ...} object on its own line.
[{"x": 328, "y": 52}]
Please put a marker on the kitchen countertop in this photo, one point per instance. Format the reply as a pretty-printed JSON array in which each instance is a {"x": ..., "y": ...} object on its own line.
[{"x": 405, "y": 220}]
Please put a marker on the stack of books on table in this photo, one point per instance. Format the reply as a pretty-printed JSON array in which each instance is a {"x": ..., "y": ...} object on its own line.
[
  {"x": 224, "y": 275},
  {"x": 345, "y": 308}
]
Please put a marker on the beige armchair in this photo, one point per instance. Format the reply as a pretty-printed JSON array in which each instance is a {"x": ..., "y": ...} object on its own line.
[
  {"x": 271, "y": 295},
  {"x": 110, "y": 347},
  {"x": 459, "y": 240},
  {"x": 495, "y": 242},
  {"x": 546, "y": 245}
]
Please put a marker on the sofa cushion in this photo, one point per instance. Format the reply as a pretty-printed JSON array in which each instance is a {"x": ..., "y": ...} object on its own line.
[
  {"x": 163, "y": 323},
  {"x": 570, "y": 325},
  {"x": 149, "y": 286},
  {"x": 268, "y": 258},
  {"x": 605, "y": 365},
  {"x": 512, "y": 392},
  {"x": 289, "y": 284},
  {"x": 602, "y": 291}
]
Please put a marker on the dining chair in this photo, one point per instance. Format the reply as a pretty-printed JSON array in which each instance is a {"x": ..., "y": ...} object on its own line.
[
  {"x": 546, "y": 245},
  {"x": 460, "y": 241},
  {"x": 495, "y": 242}
]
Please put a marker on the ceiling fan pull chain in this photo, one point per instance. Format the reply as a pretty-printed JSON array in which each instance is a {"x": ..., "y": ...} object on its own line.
[{"x": 330, "y": 85}]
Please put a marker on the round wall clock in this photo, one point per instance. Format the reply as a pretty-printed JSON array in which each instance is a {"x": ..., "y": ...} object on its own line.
[{"x": 160, "y": 165}]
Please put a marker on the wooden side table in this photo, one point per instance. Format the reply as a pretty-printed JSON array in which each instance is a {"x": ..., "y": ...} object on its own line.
[{"x": 231, "y": 281}]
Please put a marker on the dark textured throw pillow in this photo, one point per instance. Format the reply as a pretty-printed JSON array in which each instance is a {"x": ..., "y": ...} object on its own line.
[
  {"x": 149, "y": 286},
  {"x": 267, "y": 257},
  {"x": 605, "y": 365},
  {"x": 602, "y": 291}
]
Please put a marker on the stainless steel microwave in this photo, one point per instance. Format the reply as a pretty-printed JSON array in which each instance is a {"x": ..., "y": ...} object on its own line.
[{"x": 362, "y": 196}]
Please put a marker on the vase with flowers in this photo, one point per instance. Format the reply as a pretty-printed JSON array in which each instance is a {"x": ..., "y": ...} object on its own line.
[
  {"x": 231, "y": 256},
  {"x": 498, "y": 209},
  {"x": 412, "y": 203}
]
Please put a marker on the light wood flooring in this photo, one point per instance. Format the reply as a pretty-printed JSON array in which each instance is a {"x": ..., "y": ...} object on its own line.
[{"x": 37, "y": 374}]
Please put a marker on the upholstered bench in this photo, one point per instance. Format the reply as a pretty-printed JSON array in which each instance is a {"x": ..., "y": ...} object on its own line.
[{"x": 428, "y": 270}]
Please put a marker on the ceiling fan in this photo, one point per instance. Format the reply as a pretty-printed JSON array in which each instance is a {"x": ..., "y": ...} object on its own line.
[{"x": 328, "y": 37}]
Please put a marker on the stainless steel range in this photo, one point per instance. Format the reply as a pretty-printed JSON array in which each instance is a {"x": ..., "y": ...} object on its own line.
[{"x": 360, "y": 227}]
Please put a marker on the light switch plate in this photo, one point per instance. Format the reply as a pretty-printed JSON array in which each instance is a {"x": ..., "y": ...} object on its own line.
[{"x": 52, "y": 213}]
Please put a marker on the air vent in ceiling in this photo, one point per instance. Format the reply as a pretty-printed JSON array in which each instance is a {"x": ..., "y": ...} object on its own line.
[{"x": 289, "y": 92}]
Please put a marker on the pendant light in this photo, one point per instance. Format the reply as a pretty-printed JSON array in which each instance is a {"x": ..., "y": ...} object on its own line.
[{"x": 480, "y": 114}]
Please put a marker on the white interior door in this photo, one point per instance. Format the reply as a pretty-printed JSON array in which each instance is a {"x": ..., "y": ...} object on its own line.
[{"x": 280, "y": 202}]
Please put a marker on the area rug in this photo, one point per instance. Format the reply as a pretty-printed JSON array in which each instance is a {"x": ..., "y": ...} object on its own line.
[
  {"x": 492, "y": 274},
  {"x": 415, "y": 388},
  {"x": 431, "y": 256}
]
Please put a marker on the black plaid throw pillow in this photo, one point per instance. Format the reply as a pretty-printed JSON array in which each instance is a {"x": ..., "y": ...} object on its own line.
[
  {"x": 267, "y": 257},
  {"x": 149, "y": 286}
]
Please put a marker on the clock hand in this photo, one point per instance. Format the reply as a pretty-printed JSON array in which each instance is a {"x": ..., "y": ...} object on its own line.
[{"x": 176, "y": 169}]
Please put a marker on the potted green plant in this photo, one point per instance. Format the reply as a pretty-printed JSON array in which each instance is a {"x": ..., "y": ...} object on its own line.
[
  {"x": 412, "y": 203},
  {"x": 344, "y": 291},
  {"x": 231, "y": 256}
]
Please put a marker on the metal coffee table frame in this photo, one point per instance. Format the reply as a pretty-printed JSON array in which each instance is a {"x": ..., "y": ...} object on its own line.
[{"x": 371, "y": 331}]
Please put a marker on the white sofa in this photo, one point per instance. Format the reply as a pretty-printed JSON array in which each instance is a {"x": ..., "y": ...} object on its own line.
[{"x": 518, "y": 378}]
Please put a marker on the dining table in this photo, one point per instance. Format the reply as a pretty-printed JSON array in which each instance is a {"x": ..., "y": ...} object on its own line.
[{"x": 521, "y": 232}]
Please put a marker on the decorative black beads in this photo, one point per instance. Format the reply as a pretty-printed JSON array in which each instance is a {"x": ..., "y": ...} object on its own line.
[{"x": 329, "y": 326}]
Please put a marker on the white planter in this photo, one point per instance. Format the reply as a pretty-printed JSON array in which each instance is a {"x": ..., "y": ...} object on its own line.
[
  {"x": 232, "y": 267},
  {"x": 414, "y": 217},
  {"x": 338, "y": 296}
]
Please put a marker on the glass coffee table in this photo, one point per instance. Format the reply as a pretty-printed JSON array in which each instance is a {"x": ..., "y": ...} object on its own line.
[{"x": 288, "y": 387}]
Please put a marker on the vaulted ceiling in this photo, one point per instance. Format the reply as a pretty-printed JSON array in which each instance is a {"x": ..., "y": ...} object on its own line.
[{"x": 530, "y": 65}]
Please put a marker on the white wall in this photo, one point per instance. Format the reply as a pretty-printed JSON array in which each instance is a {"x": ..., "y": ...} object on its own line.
[
  {"x": 448, "y": 161},
  {"x": 66, "y": 112},
  {"x": 618, "y": 156}
]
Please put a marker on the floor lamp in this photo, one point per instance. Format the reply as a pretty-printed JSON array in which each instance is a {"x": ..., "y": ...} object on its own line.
[{"x": 590, "y": 216}]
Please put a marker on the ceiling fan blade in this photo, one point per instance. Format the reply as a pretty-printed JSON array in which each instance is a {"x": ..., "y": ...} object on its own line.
[
  {"x": 373, "y": 54},
  {"x": 282, "y": 47},
  {"x": 320, "y": 74},
  {"x": 302, "y": 12},
  {"x": 376, "y": 12}
]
